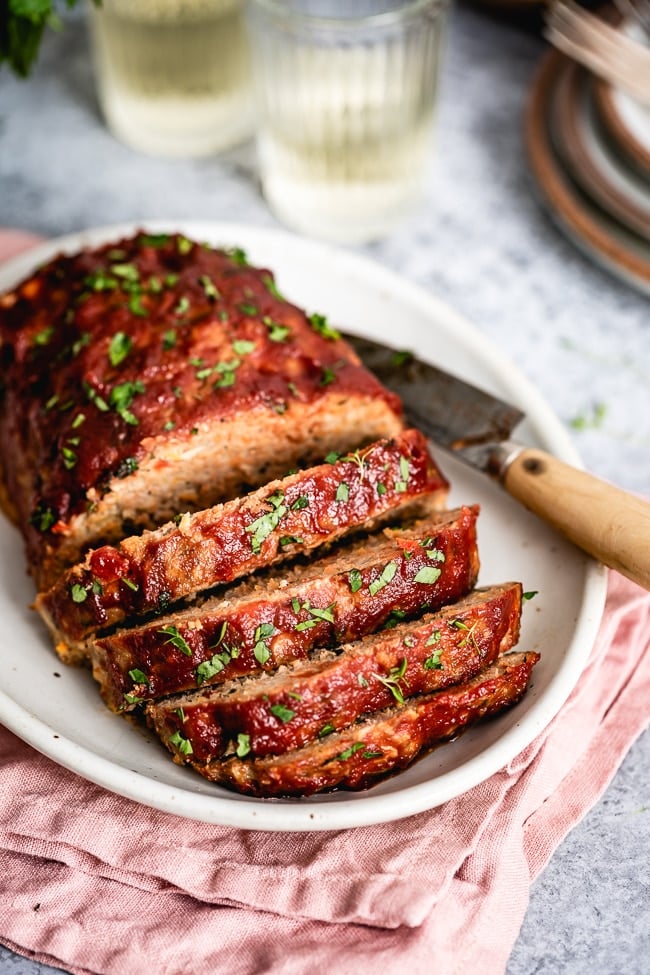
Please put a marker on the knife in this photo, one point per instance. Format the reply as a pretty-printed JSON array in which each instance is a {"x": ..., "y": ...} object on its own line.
[{"x": 605, "y": 521}]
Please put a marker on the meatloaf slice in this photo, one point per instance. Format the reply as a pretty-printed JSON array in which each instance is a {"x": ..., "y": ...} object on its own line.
[
  {"x": 154, "y": 375},
  {"x": 297, "y": 514},
  {"x": 370, "y": 750},
  {"x": 311, "y": 699},
  {"x": 267, "y": 622}
]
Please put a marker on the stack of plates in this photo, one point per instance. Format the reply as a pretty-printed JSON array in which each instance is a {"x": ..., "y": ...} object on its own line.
[{"x": 589, "y": 151}]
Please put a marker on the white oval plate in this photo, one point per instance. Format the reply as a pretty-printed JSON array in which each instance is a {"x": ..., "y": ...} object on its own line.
[{"x": 57, "y": 709}]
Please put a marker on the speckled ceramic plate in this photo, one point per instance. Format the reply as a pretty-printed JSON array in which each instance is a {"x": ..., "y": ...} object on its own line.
[
  {"x": 599, "y": 235},
  {"x": 58, "y": 710}
]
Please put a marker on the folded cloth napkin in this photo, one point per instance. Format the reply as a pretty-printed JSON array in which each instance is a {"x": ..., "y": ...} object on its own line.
[{"x": 95, "y": 883}]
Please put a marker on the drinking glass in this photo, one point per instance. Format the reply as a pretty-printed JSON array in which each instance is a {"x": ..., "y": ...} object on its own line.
[
  {"x": 345, "y": 102},
  {"x": 173, "y": 76}
]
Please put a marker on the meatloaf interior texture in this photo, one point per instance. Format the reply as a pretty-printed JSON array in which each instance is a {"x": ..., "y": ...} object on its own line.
[
  {"x": 155, "y": 375},
  {"x": 227, "y": 518}
]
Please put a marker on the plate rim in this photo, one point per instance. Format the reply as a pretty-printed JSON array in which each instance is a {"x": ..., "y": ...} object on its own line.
[
  {"x": 304, "y": 814},
  {"x": 575, "y": 216}
]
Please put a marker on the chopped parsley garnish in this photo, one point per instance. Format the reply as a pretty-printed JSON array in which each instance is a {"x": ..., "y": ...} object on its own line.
[
  {"x": 530, "y": 594},
  {"x": 327, "y": 376},
  {"x": 282, "y": 713},
  {"x": 277, "y": 332},
  {"x": 126, "y": 467},
  {"x": 183, "y": 245},
  {"x": 271, "y": 287},
  {"x": 327, "y": 729},
  {"x": 153, "y": 240},
  {"x": 80, "y": 343},
  {"x": 332, "y": 457},
  {"x": 237, "y": 256},
  {"x": 433, "y": 662},
  {"x": 133, "y": 699},
  {"x": 355, "y": 579},
  {"x": 433, "y": 638},
  {"x": 180, "y": 714},
  {"x": 133, "y": 586},
  {"x": 242, "y": 347},
  {"x": 401, "y": 358},
  {"x": 372, "y": 754},
  {"x": 169, "y": 425},
  {"x": 78, "y": 420},
  {"x": 427, "y": 575},
  {"x": 176, "y": 639},
  {"x": 209, "y": 287},
  {"x": 290, "y": 540},
  {"x": 69, "y": 458},
  {"x": 128, "y": 272},
  {"x": 320, "y": 325},
  {"x": 96, "y": 399},
  {"x": 263, "y": 526},
  {"x": 138, "y": 677},
  {"x": 207, "y": 669},
  {"x": 119, "y": 347},
  {"x": 261, "y": 649},
  {"x": 361, "y": 681},
  {"x": 183, "y": 305},
  {"x": 42, "y": 338},
  {"x": 122, "y": 396},
  {"x": 247, "y": 308},
  {"x": 42, "y": 518},
  {"x": 243, "y": 745},
  {"x": 436, "y": 554},
  {"x": 52, "y": 401},
  {"x": 381, "y": 488},
  {"x": 100, "y": 280},
  {"x": 394, "y": 680},
  {"x": 349, "y": 752},
  {"x": 169, "y": 339},
  {"x": 182, "y": 743},
  {"x": 136, "y": 307},
  {"x": 79, "y": 593},
  {"x": 386, "y": 576},
  {"x": 342, "y": 492},
  {"x": 226, "y": 372},
  {"x": 300, "y": 503}
]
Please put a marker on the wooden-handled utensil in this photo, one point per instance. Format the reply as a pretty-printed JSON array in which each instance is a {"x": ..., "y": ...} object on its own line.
[{"x": 606, "y": 522}]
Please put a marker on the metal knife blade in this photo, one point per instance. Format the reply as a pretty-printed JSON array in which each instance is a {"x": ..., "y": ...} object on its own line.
[
  {"x": 608, "y": 523},
  {"x": 452, "y": 412}
]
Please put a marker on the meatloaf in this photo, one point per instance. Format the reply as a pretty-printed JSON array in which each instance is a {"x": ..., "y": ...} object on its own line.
[
  {"x": 287, "y": 517},
  {"x": 156, "y": 375},
  {"x": 311, "y": 699},
  {"x": 264, "y": 623},
  {"x": 387, "y": 741}
]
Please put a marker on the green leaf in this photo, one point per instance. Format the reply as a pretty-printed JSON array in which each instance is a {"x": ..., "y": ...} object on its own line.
[
  {"x": 119, "y": 348},
  {"x": 176, "y": 639},
  {"x": 78, "y": 593},
  {"x": 349, "y": 752},
  {"x": 208, "y": 669},
  {"x": 243, "y": 745},
  {"x": 428, "y": 574},
  {"x": 282, "y": 713},
  {"x": 530, "y": 594},
  {"x": 387, "y": 575},
  {"x": 433, "y": 662},
  {"x": 138, "y": 676},
  {"x": 243, "y": 347},
  {"x": 320, "y": 325},
  {"x": 209, "y": 287},
  {"x": 355, "y": 579},
  {"x": 182, "y": 743},
  {"x": 342, "y": 492}
]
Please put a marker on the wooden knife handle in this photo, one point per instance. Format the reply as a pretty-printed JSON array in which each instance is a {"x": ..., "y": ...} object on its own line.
[{"x": 601, "y": 519}]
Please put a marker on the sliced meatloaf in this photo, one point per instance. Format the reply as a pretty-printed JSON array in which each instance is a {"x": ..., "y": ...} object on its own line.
[
  {"x": 155, "y": 375},
  {"x": 380, "y": 745},
  {"x": 311, "y": 699},
  {"x": 282, "y": 616},
  {"x": 287, "y": 517}
]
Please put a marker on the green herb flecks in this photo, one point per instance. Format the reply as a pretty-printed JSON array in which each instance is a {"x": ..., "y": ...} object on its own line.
[
  {"x": 277, "y": 331},
  {"x": 183, "y": 245},
  {"x": 265, "y": 525},
  {"x": 238, "y": 256},
  {"x": 394, "y": 679},
  {"x": 261, "y": 649},
  {"x": 153, "y": 240},
  {"x": 428, "y": 575},
  {"x": 342, "y": 492},
  {"x": 243, "y": 347},
  {"x": 243, "y": 745},
  {"x": 176, "y": 639},
  {"x": 169, "y": 339},
  {"x": 209, "y": 287},
  {"x": 138, "y": 676},
  {"x": 434, "y": 662},
  {"x": 121, "y": 398},
  {"x": 182, "y": 743},
  {"x": 530, "y": 594},
  {"x": 352, "y": 750},
  {"x": 282, "y": 713},
  {"x": 271, "y": 287},
  {"x": 386, "y": 576},
  {"x": 43, "y": 337},
  {"x": 42, "y": 518},
  {"x": 320, "y": 325},
  {"x": 78, "y": 593},
  {"x": 183, "y": 306},
  {"x": 316, "y": 615},
  {"x": 119, "y": 348},
  {"x": 355, "y": 580}
]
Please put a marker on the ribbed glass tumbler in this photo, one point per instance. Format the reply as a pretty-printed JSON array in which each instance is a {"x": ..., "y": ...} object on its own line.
[{"x": 346, "y": 93}]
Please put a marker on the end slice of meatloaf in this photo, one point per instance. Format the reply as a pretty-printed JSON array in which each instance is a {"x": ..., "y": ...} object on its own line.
[
  {"x": 155, "y": 375},
  {"x": 308, "y": 700},
  {"x": 282, "y": 616},
  {"x": 366, "y": 752},
  {"x": 306, "y": 510}
]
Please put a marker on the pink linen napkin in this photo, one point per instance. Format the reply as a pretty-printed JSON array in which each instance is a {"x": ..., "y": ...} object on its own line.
[{"x": 99, "y": 885}]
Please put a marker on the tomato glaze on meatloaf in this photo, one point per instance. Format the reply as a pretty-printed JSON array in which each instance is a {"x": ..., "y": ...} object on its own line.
[{"x": 154, "y": 375}]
